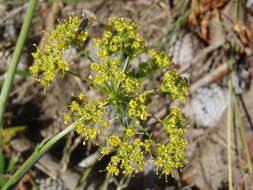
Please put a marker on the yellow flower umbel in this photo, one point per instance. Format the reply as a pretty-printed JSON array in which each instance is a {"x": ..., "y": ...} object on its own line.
[
  {"x": 171, "y": 155},
  {"x": 129, "y": 157},
  {"x": 139, "y": 106},
  {"x": 108, "y": 70},
  {"x": 125, "y": 101},
  {"x": 119, "y": 45},
  {"x": 121, "y": 36},
  {"x": 87, "y": 114},
  {"x": 174, "y": 84},
  {"x": 160, "y": 58},
  {"x": 49, "y": 60}
]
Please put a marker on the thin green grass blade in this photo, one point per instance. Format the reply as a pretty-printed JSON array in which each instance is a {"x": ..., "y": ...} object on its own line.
[
  {"x": 15, "y": 59},
  {"x": 39, "y": 151},
  {"x": 12, "y": 162}
]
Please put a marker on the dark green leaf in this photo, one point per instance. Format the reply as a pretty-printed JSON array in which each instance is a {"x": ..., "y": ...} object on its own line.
[
  {"x": 3, "y": 180},
  {"x": 12, "y": 162},
  {"x": 23, "y": 73},
  {"x": 2, "y": 163}
]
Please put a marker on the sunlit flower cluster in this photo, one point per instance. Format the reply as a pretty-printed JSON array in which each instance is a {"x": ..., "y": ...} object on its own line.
[
  {"x": 108, "y": 70},
  {"x": 87, "y": 114},
  {"x": 139, "y": 106},
  {"x": 160, "y": 58},
  {"x": 121, "y": 36},
  {"x": 49, "y": 60},
  {"x": 175, "y": 85},
  {"x": 120, "y": 83},
  {"x": 131, "y": 84},
  {"x": 171, "y": 155},
  {"x": 129, "y": 157}
]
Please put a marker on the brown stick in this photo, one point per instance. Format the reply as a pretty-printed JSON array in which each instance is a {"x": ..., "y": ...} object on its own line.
[{"x": 213, "y": 76}]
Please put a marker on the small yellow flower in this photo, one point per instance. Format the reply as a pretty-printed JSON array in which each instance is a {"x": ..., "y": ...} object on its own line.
[
  {"x": 82, "y": 96},
  {"x": 147, "y": 145},
  {"x": 131, "y": 112},
  {"x": 130, "y": 132},
  {"x": 107, "y": 34},
  {"x": 106, "y": 151},
  {"x": 67, "y": 117},
  {"x": 104, "y": 123},
  {"x": 91, "y": 132},
  {"x": 113, "y": 170},
  {"x": 102, "y": 53},
  {"x": 95, "y": 66},
  {"x": 79, "y": 126},
  {"x": 113, "y": 140},
  {"x": 74, "y": 106}
]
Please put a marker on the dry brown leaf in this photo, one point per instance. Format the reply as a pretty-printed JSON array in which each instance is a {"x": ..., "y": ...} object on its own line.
[
  {"x": 195, "y": 133},
  {"x": 200, "y": 8},
  {"x": 196, "y": 11},
  {"x": 250, "y": 63},
  {"x": 25, "y": 183},
  {"x": 208, "y": 169},
  {"x": 216, "y": 28},
  {"x": 245, "y": 33},
  {"x": 250, "y": 145},
  {"x": 204, "y": 25},
  {"x": 201, "y": 15},
  {"x": 214, "y": 4}
]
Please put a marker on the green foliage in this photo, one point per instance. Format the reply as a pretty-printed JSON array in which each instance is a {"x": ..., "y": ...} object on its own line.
[
  {"x": 7, "y": 133},
  {"x": 6, "y": 165},
  {"x": 120, "y": 83}
]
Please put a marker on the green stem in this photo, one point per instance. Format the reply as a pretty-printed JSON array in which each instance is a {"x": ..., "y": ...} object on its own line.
[
  {"x": 90, "y": 59},
  {"x": 244, "y": 138},
  {"x": 15, "y": 59},
  {"x": 238, "y": 9},
  {"x": 229, "y": 135},
  {"x": 104, "y": 186},
  {"x": 39, "y": 151},
  {"x": 124, "y": 69},
  {"x": 80, "y": 77},
  {"x": 85, "y": 176}
]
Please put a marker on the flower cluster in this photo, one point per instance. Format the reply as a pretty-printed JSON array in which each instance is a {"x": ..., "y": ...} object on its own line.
[
  {"x": 174, "y": 84},
  {"x": 132, "y": 146},
  {"x": 171, "y": 155},
  {"x": 121, "y": 36},
  {"x": 122, "y": 39},
  {"x": 49, "y": 60},
  {"x": 108, "y": 70},
  {"x": 160, "y": 58},
  {"x": 129, "y": 157},
  {"x": 131, "y": 83},
  {"x": 88, "y": 113},
  {"x": 138, "y": 106}
]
